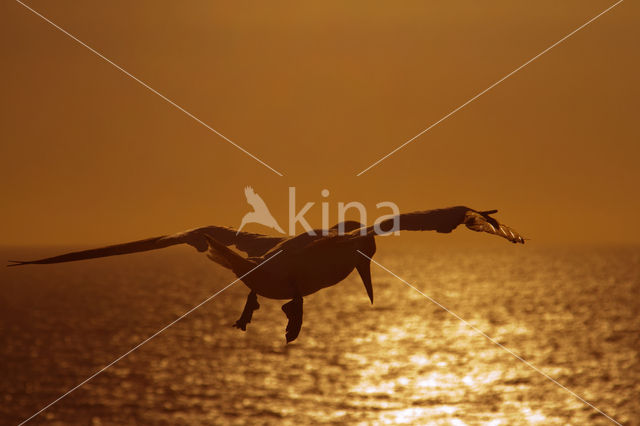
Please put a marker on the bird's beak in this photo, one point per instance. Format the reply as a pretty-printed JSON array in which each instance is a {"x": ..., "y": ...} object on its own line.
[{"x": 364, "y": 269}]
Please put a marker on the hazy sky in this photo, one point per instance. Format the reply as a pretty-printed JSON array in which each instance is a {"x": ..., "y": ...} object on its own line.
[{"x": 319, "y": 91}]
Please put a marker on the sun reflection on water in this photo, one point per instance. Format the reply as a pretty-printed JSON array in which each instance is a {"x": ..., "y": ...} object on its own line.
[
  {"x": 407, "y": 384},
  {"x": 401, "y": 361}
]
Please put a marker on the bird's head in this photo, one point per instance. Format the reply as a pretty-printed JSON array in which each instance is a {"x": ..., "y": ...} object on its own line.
[
  {"x": 366, "y": 250},
  {"x": 364, "y": 269}
]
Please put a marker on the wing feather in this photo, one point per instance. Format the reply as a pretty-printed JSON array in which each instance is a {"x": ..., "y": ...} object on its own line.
[
  {"x": 447, "y": 219},
  {"x": 252, "y": 244},
  {"x": 477, "y": 221}
]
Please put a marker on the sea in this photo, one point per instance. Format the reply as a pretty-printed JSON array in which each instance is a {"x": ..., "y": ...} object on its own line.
[{"x": 456, "y": 336}]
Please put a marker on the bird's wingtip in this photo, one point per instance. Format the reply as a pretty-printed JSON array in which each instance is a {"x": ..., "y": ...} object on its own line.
[{"x": 16, "y": 263}]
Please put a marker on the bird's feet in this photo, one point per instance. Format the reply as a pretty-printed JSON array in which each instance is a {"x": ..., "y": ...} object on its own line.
[
  {"x": 293, "y": 311},
  {"x": 250, "y": 306}
]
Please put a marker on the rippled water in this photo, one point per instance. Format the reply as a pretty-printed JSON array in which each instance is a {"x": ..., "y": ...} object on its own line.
[{"x": 573, "y": 313}]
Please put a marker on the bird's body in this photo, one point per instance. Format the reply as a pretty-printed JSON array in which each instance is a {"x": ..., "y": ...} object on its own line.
[
  {"x": 307, "y": 263},
  {"x": 294, "y": 267}
]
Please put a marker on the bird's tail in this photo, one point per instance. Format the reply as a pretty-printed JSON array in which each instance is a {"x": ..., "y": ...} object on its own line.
[{"x": 228, "y": 258}]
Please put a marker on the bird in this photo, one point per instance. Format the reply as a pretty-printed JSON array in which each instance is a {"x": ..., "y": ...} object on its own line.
[
  {"x": 292, "y": 267},
  {"x": 260, "y": 213}
]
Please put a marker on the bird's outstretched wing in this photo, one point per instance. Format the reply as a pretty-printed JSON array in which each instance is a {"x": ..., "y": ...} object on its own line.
[
  {"x": 252, "y": 244},
  {"x": 482, "y": 222},
  {"x": 448, "y": 219}
]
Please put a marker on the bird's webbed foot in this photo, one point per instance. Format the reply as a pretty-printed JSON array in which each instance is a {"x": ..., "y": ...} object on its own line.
[
  {"x": 250, "y": 306},
  {"x": 293, "y": 311}
]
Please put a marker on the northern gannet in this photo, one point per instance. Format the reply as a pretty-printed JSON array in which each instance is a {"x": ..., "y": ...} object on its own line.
[{"x": 304, "y": 263}]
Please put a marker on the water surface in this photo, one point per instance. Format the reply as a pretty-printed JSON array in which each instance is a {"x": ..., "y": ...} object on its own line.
[{"x": 573, "y": 313}]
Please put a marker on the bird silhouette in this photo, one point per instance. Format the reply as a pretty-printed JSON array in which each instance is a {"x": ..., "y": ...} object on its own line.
[
  {"x": 293, "y": 267},
  {"x": 260, "y": 213}
]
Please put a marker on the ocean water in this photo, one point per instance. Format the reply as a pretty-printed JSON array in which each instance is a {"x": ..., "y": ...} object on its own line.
[{"x": 571, "y": 312}]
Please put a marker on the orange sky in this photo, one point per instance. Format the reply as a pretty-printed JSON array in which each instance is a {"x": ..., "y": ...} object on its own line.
[{"x": 319, "y": 91}]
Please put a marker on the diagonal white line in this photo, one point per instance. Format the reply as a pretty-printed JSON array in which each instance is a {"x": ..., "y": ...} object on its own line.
[
  {"x": 150, "y": 88},
  {"x": 491, "y": 87},
  {"x": 146, "y": 340},
  {"x": 495, "y": 342}
]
